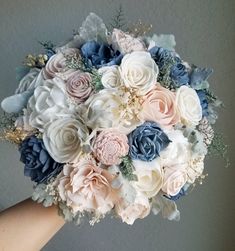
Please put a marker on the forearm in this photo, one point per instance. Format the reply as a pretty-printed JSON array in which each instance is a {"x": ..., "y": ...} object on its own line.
[{"x": 28, "y": 226}]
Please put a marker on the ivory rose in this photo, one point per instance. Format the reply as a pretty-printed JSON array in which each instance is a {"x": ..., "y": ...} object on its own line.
[
  {"x": 138, "y": 209},
  {"x": 56, "y": 66},
  {"x": 79, "y": 87},
  {"x": 139, "y": 72},
  {"x": 189, "y": 105},
  {"x": 149, "y": 177},
  {"x": 159, "y": 106},
  {"x": 86, "y": 187},
  {"x": 125, "y": 43},
  {"x": 110, "y": 77},
  {"x": 65, "y": 138},
  {"x": 110, "y": 146}
]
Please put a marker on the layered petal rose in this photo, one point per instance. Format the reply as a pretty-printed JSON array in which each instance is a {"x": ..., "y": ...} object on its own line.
[
  {"x": 65, "y": 139},
  {"x": 159, "y": 106},
  {"x": 139, "y": 71},
  {"x": 110, "y": 76},
  {"x": 125, "y": 43},
  {"x": 79, "y": 87},
  {"x": 110, "y": 146},
  {"x": 138, "y": 209},
  {"x": 86, "y": 187},
  {"x": 189, "y": 106},
  {"x": 149, "y": 177},
  {"x": 48, "y": 102},
  {"x": 57, "y": 67}
]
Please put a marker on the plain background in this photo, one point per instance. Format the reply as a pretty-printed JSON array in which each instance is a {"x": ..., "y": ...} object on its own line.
[{"x": 205, "y": 36}]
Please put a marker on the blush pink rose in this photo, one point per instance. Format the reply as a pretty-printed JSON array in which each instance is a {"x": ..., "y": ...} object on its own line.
[
  {"x": 174, "y": 178},
  {"x": 86, "y": 187},
  {"x": 79, "y": 87},
  {"x": 125, "y": 43},
  {"x": 109, "y": 146},
  {"x": 159, "y": 106},
  {"x": 56, "y": 66},
  {"x": 130, "y": 211}
]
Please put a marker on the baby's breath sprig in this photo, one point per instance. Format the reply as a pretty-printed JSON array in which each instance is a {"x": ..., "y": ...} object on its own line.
[
  {"x": 139, "y": 28},
  {"x": 127, "y": 168}
]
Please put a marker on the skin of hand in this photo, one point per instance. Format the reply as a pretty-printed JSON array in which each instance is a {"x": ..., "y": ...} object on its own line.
[{"x": 28, "y": 226}]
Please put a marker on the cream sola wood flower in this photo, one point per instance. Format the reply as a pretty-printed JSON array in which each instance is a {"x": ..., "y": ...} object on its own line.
[{"x": 65, "y": 139}]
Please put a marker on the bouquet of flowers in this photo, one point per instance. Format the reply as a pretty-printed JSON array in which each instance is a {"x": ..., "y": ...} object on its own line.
[{"x": 112, "y": 121}]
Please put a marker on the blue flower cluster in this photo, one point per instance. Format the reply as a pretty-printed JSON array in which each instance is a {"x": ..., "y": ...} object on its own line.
[
  {"x": 99, "y": 54},
  {"x": 165, "y": 58},
  {"x": 146, "y": 141},
  {"x": 39, "y": 165}
]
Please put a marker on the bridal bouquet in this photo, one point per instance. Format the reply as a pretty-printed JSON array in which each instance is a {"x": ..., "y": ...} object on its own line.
[{"x": 112, "y": 121}]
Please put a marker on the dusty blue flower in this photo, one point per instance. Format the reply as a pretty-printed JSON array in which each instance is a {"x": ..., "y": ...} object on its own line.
[
  {"x": 198, "y": 75},
  {"x": 204, "y": 102},
  {"x": 39, "y": 165},
  {"x": 146, "y": 141},
  {"x": 161, "y": 56},
  {"x": 98, "y": 54},
  {"x": 179, "y": 74}
]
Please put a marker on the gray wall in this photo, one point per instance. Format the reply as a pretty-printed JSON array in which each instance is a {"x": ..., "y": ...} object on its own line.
[{"x": 205, "y": 35}]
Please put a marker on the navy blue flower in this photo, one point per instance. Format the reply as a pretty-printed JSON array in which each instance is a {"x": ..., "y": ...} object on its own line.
[
  {"x": 179, "y": 74},
  {"x": 204, "y": 102},
  {"x": 146, "y": 141},
  {"x": 39, "y": 165},
  {"x": 98, "y": 55},
  {"x": 161, "y": 56}
]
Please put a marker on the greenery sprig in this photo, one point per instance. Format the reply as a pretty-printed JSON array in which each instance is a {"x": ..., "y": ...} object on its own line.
[
  {"x": 127, "y": 168},
  {"x": 219, "y": 148}
]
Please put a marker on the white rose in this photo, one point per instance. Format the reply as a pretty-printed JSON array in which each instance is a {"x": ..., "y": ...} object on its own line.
[
  {"x": 149, "y": 175},
  {"x": 48, "y": 102},
  {"x": 129, "y": 212},
  {"x": 110, "y": 76},
  {"x": 189, "y": 105},
  {"x": 65, "y": 139},
  {"x": 139, "y": 71},
  {"x": 195, "y": 169},
  {"x": 29, "y": 81}
]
